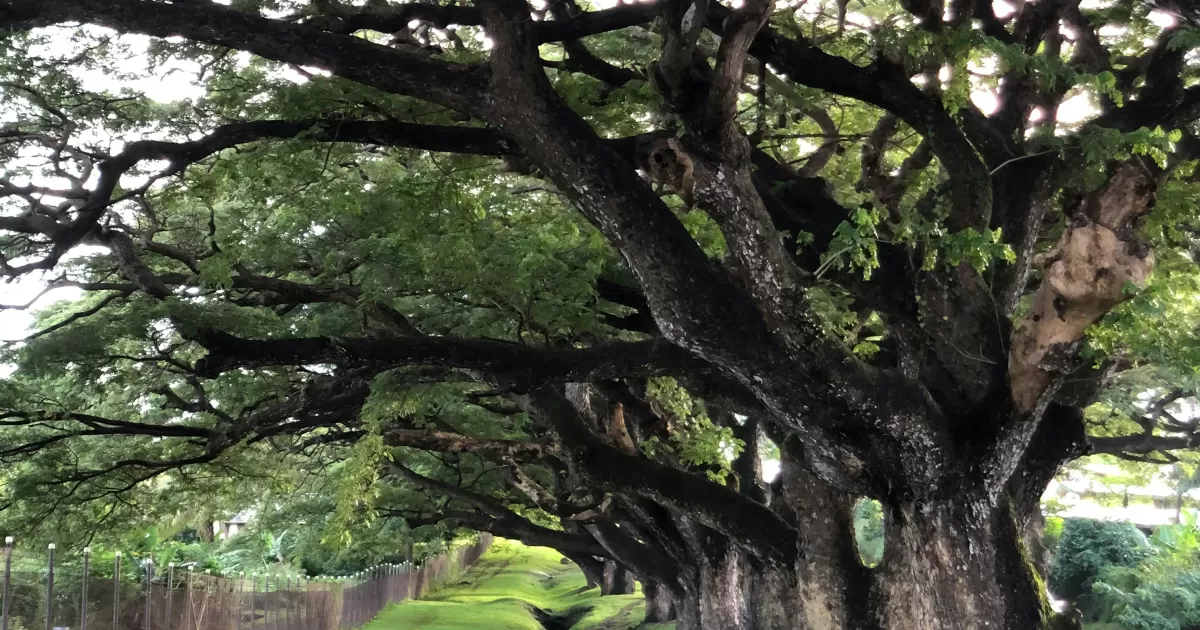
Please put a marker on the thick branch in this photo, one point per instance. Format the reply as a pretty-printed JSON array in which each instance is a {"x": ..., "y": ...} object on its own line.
[
  {"x": 887, "y": 86},
  {"x": 505, "y": 521},
  {"x": 524, "y": 364},
  {"x": 1143, "y": 444},
  {"x": 748, "y": 523},
  {"x": 456, "y": 86},
  {"x": 444, "y": 442},
  {"x": 392, "y": 18}
]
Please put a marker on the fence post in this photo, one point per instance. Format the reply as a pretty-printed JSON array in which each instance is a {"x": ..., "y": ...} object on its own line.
[
  {"x": 170, "y": 593},
  {"x": 149, "y": 592},
  {"x": 50, "y": 587},
  {"x": 241, "y": 588},
  {"x": 208, "y": 584},
  {"x": 348, "y": 602},
  {"x": 253, "y": 592},
  {"x": 8, "y": 550},
  {"x": 352, "y": 596},
  {"x": 187, "y": 601},
  {"x": 116, "y": 590},
  {"x": 83, "y": 587},
  {"x": 268, "y": 602}
]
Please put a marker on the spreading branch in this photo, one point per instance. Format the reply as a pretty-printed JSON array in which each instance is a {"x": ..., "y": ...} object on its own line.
[{"x": 524, "y": 364}]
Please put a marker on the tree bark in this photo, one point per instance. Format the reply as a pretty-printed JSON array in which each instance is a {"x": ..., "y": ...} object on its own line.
[
  {"x": 617, "y": 579},
  {"x": 204, "y": 531},
  {"x": 954, "y": 557},
  {"x": 945, "y": 563},
  {"x": 1032, "y": 537},
  {"x": 660, "y": 608},
  {"x": 748, "y": 465}
]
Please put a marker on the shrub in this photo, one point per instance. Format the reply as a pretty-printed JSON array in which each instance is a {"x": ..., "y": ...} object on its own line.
[
  {"x": 1086, "y": 549},
  {"x": 1162, "y": 592}
]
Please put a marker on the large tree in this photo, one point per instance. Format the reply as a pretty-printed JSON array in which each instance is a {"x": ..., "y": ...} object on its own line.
[{"x": 410, "y": 240}]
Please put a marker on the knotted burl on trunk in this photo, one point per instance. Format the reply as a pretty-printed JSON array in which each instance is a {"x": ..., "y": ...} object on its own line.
[{"x": 1084, "y": 276}]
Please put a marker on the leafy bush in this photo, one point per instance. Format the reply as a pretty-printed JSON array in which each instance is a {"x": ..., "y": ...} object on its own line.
[
  {"x": 1162, "y": 592},
  {"x": 1086, "y": 549}
]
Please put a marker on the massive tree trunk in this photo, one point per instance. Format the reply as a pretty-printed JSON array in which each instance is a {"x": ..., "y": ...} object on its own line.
[
  {"x": 733, "y": 561},
  {"x": 945, "y": 562}
]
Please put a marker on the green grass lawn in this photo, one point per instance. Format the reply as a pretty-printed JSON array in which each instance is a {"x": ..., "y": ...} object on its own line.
[{"x": 499, "y": 591}]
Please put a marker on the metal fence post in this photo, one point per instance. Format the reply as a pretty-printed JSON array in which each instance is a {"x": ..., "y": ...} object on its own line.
[
  {"x": 116, "y": 590},
  {"x": 83, "y": 588},
  {"x": 50, "y": 587}
]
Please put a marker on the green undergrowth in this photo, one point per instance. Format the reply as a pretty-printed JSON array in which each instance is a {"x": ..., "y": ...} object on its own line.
[{"x": 507, "y": 589}]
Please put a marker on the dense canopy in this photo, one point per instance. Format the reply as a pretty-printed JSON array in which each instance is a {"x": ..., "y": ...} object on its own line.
[{"x": 566, "y": 272}]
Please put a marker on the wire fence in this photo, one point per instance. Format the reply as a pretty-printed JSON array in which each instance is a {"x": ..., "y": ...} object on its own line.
[{"x": 45, "y": 592}]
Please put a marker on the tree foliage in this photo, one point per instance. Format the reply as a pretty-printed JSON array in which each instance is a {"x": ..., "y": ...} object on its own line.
[
  {"x": 1088, "y": 548},
  {"x": 1162, "y": 591}
]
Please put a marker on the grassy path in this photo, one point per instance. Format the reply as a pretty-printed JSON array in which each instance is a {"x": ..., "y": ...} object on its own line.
[{"x": 509, "y": 589}]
